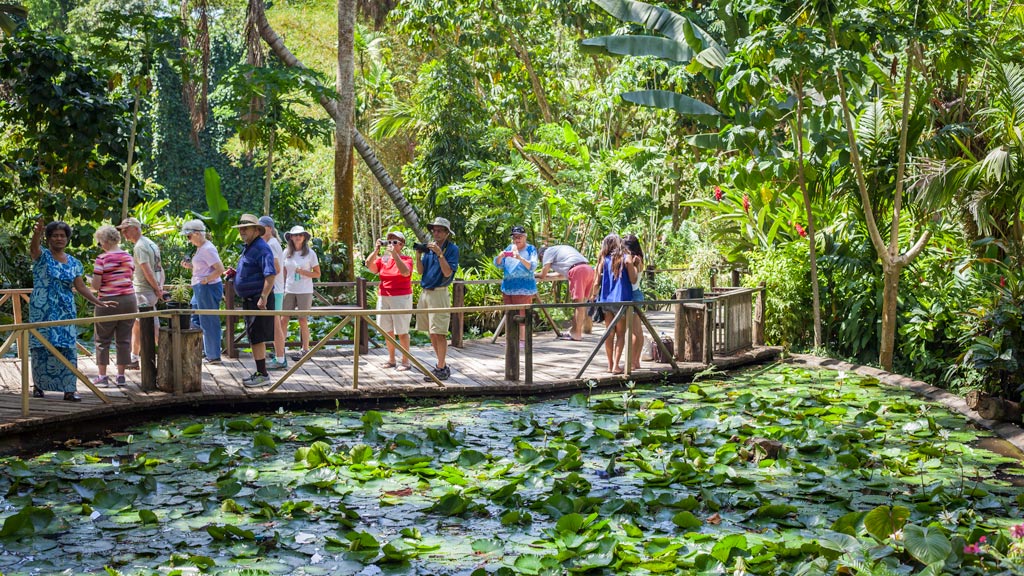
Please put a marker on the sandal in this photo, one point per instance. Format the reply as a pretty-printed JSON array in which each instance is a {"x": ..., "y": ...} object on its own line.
[
  {"x": 404, "y": 368},
  {"x": 387, "y": 365}
]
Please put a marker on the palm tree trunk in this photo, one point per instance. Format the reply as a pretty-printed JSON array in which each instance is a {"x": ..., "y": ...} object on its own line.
[
  {"x": 405, "y": 210},
  {"x": 344, "y": 201},
  {"x": 131, "y": 154}
]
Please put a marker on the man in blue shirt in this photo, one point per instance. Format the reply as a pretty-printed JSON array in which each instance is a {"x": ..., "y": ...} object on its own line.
[
  {"x": 254, "y": 283},
  {"x": 437, "y": 268}
]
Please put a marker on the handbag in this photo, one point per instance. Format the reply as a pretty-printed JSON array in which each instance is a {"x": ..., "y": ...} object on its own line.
[{"x": 596, "y": 313}]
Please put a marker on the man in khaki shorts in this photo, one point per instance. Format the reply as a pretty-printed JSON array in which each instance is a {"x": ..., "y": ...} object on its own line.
[
  {"x": 148, "y": 278},
  {"x": 436, "y": 266}
]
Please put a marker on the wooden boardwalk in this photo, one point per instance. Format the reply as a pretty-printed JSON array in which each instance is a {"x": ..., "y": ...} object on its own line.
[{"x": 478, "y": 369}]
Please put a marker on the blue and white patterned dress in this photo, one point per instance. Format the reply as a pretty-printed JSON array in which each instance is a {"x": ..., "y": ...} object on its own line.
[{"x": 53, "y": 298}]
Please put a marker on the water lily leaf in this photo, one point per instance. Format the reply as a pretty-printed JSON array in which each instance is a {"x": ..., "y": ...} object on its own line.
[
  {"x": 927, "y": 545},
  {"x": 160, "y": 434},
  {"x": 686, "y": 520},
  {"x": 320, "y": 477},
  {"x": 113, "y": 500},
  {"x": 775, "y": 511},
  {"x": 487, "y": 545},
  {"x": 884, "y": 521},
  {"x": 148, "y": 517},
  {"x": 451, "y": 504},
  {"x": 193, "y": 430},
  {"x": 29, "y": 520},
  {"x": 264, "y": 442},
  {"x": 728, "y": 546},
  {"x": 516, "y": 517},
  {"x": 470, "y": 458}
]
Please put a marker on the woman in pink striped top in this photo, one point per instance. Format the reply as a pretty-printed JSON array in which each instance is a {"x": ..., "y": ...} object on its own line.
[{"x": 112, "y": 280}]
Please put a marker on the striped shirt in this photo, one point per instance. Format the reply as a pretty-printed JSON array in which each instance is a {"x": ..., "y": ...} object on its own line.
[{"x": 117, "y": 268}]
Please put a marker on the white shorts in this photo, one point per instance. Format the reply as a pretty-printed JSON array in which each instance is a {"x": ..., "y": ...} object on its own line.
[{"x": 394, "y": 323}]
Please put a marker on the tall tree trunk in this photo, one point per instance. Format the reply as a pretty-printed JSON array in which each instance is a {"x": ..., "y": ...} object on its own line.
[
  {"x": 538, "y": 88},
  {"x": 344, "y": 205},
  {"x": 811, "y": 241},
  {"x": 131, "y": 154},
  {"x": 892, "y": 261},
  {"x": 268, "y": 178},
  {"x": 405, "y": 210}
]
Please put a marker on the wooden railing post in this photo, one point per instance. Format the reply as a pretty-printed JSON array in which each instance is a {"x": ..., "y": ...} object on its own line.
[
  {"x": 679, "y": 327},
  {"x": 177, "y": 352},
  {"x": 709, "y": 331},
  {"x": 23, "y": 355},
  {"x": 759, "y": 305},
  {"x": 362, "y": 333},
  {"x": 147, "y": 350},
  {"x": 528, "y": 346},
  {"x": 511, "y": 346},
  {"x": 458, "y": 320},
  {"x": 229, "y": 320},
  {"x": 735, "y": 278},
  {"x": 629, "y": 339}
]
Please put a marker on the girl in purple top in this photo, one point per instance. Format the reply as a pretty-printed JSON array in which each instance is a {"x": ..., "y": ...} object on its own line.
[{"x": 612, "y": 284}]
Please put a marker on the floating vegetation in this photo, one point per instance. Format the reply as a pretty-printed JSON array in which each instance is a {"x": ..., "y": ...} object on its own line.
[{"x": 779, "y": 471}]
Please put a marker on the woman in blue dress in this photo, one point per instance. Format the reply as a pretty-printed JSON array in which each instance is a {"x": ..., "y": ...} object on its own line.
[
  {"x": 54, "y": 273},
  {"x": 613, "y": 283},
  {"x": 634, "y": 252}
]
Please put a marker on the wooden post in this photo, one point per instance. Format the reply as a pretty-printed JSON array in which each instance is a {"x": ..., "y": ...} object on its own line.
[
  {"x": 458, "y": 320},
  {"x": 147, "y": 350},
  {"x": 177, "y": 353},
  {"x": 708, "y": 337},
  {"x": 714, "y": 278},
  {"x": 735, "y": 278},
  {"x": 629, "y": 339},
  {"x": 22, "y": 352},
  {"x": 759, "y": 316},
  {"x": 361, "y": 332},
  {"x": 528, "y": 346},
  {"x": 229, "y": 332},
  {"x": 358, "y": 328},
  {"x": 679, "y": 332},
  {"x": 511, "y": 347},
  {"x": 693, "y": 332}
]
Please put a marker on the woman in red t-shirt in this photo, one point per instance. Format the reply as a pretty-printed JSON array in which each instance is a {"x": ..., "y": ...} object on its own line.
[
  {"x": 112, "y": 281},
  {"x": 395, "y": 271}
]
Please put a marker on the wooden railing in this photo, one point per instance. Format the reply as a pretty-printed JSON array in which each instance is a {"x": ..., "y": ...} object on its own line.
[{"x": 720, "y": 323}]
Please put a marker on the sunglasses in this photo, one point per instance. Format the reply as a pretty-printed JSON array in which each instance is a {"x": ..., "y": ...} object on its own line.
[{"x": 394, "y": 242}]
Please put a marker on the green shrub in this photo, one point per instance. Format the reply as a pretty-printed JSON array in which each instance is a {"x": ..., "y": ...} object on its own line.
[{"x": 785, "y": 270}]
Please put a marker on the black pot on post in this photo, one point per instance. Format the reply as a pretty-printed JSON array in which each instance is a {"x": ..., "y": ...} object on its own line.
[{"x": 184, "y": 320}]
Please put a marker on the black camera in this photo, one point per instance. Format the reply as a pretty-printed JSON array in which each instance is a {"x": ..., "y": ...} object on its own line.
[
  {"x": 382, "y": 242},
  {"x": 420, "y": 247}
]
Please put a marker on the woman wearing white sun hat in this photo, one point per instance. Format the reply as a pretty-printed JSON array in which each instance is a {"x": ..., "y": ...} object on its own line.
[{"x": 301, "y": 267}]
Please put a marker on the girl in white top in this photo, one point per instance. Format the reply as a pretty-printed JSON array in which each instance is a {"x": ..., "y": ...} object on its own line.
[{"x": 301, "y": 267}]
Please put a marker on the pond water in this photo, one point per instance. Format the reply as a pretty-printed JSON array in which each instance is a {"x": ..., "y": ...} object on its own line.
[{"x": 778, "y": 470}]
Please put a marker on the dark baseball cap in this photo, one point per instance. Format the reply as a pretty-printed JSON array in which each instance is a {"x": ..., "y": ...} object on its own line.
[{"x": 518, "y": 230}]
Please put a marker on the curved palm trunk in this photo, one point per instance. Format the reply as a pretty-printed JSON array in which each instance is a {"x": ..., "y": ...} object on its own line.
[{"x": 360, "y": 144}]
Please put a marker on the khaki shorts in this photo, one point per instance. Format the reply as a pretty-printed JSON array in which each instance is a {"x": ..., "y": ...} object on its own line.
[
  {"x": 297, "y": 301},
  {"x": 436, "y": 322},
  {"x": 394, "y": 323},
  {"x": 146, "y": 299}
]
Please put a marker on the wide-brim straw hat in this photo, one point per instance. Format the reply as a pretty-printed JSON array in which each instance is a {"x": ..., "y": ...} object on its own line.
[
  {"x": 442, "y": 222},
  {"x": 248, "y": 220},
  {"x": 296, "y": 231}
]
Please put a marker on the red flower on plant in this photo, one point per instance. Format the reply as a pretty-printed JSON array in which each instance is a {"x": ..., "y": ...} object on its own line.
[
  {"x": 982, "y": 540},
  {"x": 1002, "y": 281},
  {"x": 800, "y": 230},
  {"x": 746, "y": 203},
  {"x": 972, "y": 549},
  {"x": 1017, "y": 531},
  {"x": 719, "y": 194}
]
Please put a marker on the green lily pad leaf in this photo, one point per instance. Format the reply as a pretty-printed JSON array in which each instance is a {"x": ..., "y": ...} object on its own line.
[
  {"x": 927, "y": 545},
  {"x": 686, "y": 520},
  {"x": 320, "y": 477},
  {"x": 884, "y": 521},
  {"x": 451, "y": 504},
  {"x": 487, "y": 545},
  {"x": 30, "y": 520},
  {"x": 775, "y": 511},
  {"x": 112, "y": 500},
  {"x": 729, "y": 546},
  {"x": 160, "y": 435},
  {"x": 148, "y": 517},
  {"x": 516, "y": 517},
  {"x": 469, "y": 458},
  {"x": 193, "y": 430},
  {"x": 571, "y": 523},
  {"x": 264, "y": 442}
]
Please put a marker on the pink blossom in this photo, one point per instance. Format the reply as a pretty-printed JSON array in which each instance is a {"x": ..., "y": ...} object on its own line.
[
  {"x": 746, "y": 203},
  {"x": 1017, "y": 531},
  {"x": 1002, "y": 281},
  {"x": 982, "y": 540},
  {"x": 800, "y": 230},
  {"x": 719, "y": 194},
  {"x": 972, "y": 549}
]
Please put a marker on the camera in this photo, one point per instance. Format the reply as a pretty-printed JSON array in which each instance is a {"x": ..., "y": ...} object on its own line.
[
  {"x": 420, "y": 247},
  {"x": 382, "y": 242}
]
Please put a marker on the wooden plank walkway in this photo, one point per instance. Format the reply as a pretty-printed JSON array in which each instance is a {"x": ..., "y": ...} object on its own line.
[{"x": 477, "y": 369}]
